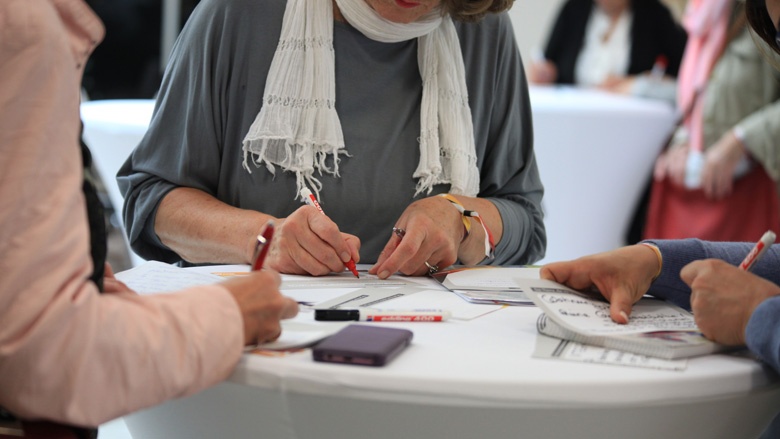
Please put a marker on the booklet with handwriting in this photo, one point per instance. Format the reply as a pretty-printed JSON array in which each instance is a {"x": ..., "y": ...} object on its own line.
[{"x": 656, "y": 328}]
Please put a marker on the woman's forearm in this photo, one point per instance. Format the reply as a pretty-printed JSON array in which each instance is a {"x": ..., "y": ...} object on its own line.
[{"x": 202, "y": 229}]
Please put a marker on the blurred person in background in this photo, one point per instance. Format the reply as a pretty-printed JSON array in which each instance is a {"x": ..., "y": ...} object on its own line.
[
  {"x": 726, "y": 148},
  {"x": 611, "y": 43}
]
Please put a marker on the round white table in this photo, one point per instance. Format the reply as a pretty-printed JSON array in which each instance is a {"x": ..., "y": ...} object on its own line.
[
  {"x": 472, "y": 379},
  {"x": 595, "y": 152}
]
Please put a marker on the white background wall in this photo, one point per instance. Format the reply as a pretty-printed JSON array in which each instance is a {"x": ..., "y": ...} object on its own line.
[{"x": 532, "y": 20}]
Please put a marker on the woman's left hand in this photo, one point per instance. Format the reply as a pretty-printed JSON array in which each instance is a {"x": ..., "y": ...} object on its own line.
[{"x": 431, "y": 232}]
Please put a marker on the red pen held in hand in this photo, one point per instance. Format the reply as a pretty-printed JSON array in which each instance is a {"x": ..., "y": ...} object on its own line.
[
  {"x": 263, "y": 244},
  {"x": 758, "y": 250},
  {"x": 309, "y": 199}
]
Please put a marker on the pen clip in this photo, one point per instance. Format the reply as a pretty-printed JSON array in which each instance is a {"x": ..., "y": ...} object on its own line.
[{"x": 259, "y": 246}]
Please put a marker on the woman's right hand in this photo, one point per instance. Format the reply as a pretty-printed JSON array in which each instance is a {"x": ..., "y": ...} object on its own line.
[
  {"x": 262, "y": 305},
  {"x": 308, "y": 242},
  {"x": 724, "y": 297}
]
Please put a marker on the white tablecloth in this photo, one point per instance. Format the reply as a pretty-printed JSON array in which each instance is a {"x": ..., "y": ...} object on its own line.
[
  {"x": 595, "y": 152},
  {"x": 472, "y": 379}
]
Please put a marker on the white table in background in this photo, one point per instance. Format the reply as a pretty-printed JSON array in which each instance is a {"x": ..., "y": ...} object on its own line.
[{"x": 595, "y": 152}]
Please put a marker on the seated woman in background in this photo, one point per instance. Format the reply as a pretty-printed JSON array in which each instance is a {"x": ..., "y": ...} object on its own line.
[{"x": 601, "y": 43}]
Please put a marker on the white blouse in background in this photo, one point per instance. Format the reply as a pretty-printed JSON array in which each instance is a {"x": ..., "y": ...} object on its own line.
[{"x": 600, "y": 57}]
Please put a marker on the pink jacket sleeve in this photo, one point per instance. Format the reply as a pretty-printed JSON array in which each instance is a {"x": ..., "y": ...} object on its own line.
[{"x": 68, "y": 353}]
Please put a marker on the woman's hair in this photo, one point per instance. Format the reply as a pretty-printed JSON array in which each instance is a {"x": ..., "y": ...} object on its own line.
[
  {"x": 474, "y": 10},
  {"x": 759, "y": 20}
]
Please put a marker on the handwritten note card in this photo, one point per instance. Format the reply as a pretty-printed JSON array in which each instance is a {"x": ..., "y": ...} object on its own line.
[{"x": 590, "y": 316}]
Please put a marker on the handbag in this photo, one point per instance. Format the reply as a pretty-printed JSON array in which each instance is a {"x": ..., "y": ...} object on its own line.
[{"x": 752, "y": 208}]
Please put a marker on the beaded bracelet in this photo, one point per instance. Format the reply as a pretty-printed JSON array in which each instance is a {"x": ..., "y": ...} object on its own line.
[{"x": 466, "y": 215}]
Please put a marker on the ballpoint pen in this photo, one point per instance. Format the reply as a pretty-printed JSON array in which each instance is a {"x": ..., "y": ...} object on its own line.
[
  {"x": 262, "y": 246},
  {"x": 309, "y": 199},
  {"x": 758, "y": 250}
]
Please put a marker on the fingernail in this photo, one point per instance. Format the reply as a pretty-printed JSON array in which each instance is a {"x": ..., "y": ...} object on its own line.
[
  {"x": 384, "y": 275},
  {"x": 345, "y": 257},
  {"x": 625, "y": 316}
]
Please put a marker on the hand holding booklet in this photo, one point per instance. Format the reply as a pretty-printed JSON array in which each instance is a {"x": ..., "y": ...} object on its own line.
[{"x": 656, "y": 328}]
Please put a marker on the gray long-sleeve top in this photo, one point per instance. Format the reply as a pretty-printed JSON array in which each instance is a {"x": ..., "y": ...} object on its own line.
[
  {"x": 213, "y": 89},
  {"x": 763, "y": 329}
]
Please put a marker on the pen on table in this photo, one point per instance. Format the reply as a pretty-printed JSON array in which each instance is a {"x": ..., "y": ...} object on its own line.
[
  {"x": 262, "y": 246},
  {"x": 758, "y": 250},
  {"x": 382, "y": 315},
  {"x": 309, "y": 199}
]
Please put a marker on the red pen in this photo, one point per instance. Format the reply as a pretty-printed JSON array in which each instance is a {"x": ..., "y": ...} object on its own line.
[
  {"x": 758, "y": 250},
  {"x": 309, "y": 199},
  {"x": 262, "y": 246}
]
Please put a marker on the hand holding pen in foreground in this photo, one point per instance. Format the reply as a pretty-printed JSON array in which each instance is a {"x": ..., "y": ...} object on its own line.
[
  {"x": 724, "y": 297},
  {"x": 261, "y": 304}
]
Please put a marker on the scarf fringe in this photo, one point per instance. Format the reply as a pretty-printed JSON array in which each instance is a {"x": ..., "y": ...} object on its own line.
[{"x": 301, "y": 158}]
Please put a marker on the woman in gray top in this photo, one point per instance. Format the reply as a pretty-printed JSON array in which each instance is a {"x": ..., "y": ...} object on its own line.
[{"x": 263, "y": 98}]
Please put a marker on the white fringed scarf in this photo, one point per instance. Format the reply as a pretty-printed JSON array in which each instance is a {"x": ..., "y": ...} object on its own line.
[{"x": 298, "y": 127}]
